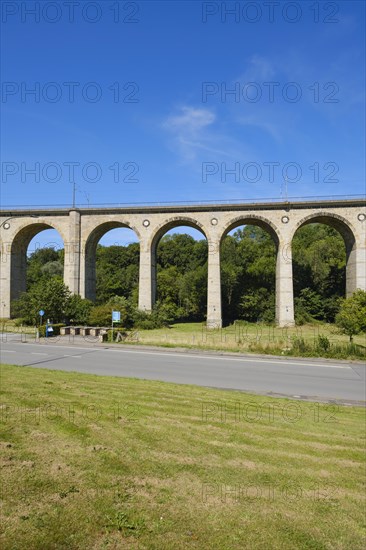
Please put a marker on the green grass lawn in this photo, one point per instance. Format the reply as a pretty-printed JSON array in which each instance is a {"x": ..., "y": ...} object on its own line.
[
  {"x": 12, "y": 325},
  {"x": 243, "y": 337},
  {"x": 93, "y": 462}
]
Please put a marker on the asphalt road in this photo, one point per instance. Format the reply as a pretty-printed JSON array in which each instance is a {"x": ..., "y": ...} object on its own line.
[{"x": 312, "y": 379}]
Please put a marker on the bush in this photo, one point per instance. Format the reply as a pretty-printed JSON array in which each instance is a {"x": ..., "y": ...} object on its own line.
[
  {"x": 299, "y": 345},
  {"x": 258, "y": 304},
  {"x": 302, "y": 317},
  {"x": 77, "y": 310},
  {"x": 162, "y": 315},
  {"x": 147, "y": 321},
  {"x": 100, "y": 316},
  {"x": 56, "y": 330},
  {"x": 149, "y": 324},
  {"x": 322, "y": 343},
  {"x": 310, "y": 303}
]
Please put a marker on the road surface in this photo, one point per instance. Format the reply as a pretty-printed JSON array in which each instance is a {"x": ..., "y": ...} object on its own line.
[{"x": 312, "y": 379}]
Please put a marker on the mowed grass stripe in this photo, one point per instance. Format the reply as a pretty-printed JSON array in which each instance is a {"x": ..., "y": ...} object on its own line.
[{"x": 100, "y": 462}]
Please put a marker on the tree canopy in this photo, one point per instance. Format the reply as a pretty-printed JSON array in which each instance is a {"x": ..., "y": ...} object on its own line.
[{"x": 351, "y": 318}]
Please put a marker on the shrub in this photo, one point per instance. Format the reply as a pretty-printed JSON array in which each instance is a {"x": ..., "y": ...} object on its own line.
[
  {"x": 299, "y": 345},
  {"x": 56, "y": 330},
  {"x": 77, "y": 310},
  {"x": 162, "y": 315},
  {"x": 101, "y": 316},
  {"x": 322, "y": 343}
]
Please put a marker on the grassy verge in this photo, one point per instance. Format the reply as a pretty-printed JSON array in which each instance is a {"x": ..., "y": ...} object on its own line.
[
  {"x": 101, "y": 462},
  {"x": 317, "y": 340},
  {"x": 320, "y": 340}
]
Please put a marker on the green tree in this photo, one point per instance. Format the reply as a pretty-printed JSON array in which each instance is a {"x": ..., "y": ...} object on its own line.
[
  {"x": 257, "y": 305},
  {"x": 319, "y": 260},
  {"x": 117, "y": 271},
  {"x": 193, "y": 293},
  {"x": 44, "y": 262},
  {"x": 351, "y": 318},
  {"x": 51, "y": 295},
  {"x": 77, "y": 309},
  {"x": 52, "y": 269},
  {"x": 176, "y": 250}
]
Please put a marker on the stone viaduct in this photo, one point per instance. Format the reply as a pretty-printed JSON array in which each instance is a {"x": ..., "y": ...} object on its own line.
[{"x": 81, "y": 229}]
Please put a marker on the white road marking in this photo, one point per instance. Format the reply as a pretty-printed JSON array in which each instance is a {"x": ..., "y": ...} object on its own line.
[
  {"x": 36, "y": 353},
  {"x": 205, "y": 357},
  {"x": 241, "y": 359},
  {"x": 7, "y": 351}
]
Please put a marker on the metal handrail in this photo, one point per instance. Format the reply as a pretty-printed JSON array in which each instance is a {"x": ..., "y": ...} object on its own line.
[{"x": 264, "y": 200}]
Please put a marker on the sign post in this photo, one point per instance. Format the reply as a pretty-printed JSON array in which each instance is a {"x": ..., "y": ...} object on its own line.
[
  {"x": 41, "y": 313},
  {"x": 48, "y": 327},
  {"x": 116, "y": 318}
]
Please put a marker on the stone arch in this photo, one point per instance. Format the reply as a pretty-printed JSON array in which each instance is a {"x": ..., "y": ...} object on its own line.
[
  {"x": 171, "y": 223},
  {"x": 341, "y": 224},
  {"x": 89, "y": 252},
  {"x": 18, "y": 253},
  {"x": 27, "y": 230},
  {"x": 158, "y": 233},
  {"x": 347, "y": 231},
  {"x": 252, "y": 219}
]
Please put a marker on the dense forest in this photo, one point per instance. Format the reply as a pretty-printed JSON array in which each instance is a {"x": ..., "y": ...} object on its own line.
[{"x": 248, "y": 260}]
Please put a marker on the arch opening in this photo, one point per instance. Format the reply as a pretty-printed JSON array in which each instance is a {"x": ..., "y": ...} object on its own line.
[
  {"x": 37, "y": 255},
  {"x": 179, "y": 271},
  {"x": 111, "y": 263},
  {"x": 324, "y": 267},
  {"x": 248, "y": 271}
]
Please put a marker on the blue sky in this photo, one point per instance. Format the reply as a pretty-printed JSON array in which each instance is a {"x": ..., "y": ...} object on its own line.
[{"x": 149, "y": 120}]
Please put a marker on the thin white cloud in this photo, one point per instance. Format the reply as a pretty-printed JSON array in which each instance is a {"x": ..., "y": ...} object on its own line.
[
  {"x": 190, "y": 121},
  {"x": 259, "y": 68},
  {"x": 188, "y": 129},
  {"x": 195, "y": 134}
]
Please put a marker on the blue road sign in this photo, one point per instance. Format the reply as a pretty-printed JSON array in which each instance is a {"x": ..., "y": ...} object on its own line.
[
  {"x": 41, "y": 312},
  {"x": 116, "y": 316}
]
